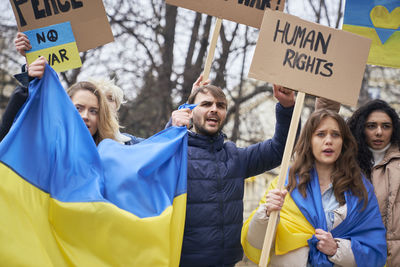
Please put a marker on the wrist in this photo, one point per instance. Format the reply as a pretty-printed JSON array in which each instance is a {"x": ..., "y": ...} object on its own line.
[{"x": 335, "y": 250}]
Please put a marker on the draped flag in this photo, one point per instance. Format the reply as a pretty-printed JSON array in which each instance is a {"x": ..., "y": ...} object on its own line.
[
  {"x": 300, "y": 217},
  {"x": 292, "y": 226},
  {"x": 378, "y": 20},
  {"x": 66, "y": 203}
]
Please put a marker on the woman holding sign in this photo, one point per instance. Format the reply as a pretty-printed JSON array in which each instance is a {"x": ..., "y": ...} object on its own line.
[
  {"x": 89, "y": 101},
  {"x": 329, "y": 214},
  {"x": 105, "y": 124},
  {"x": 376, "y": 128}
]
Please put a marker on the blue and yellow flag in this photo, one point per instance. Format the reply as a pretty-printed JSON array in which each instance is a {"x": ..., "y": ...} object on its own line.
[
  {"x": 57, "y": 44},
  {"x": 299, "y": 217},
  {"x": 66, "y": 203},
  {"x": 378, "y": 20}
]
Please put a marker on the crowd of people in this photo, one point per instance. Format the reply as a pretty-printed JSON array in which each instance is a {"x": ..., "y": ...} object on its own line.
[{"x": 341, "y": 202}]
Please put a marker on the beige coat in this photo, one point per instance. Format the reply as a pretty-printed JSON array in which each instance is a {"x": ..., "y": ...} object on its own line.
[
  {"x": 299, "y": 257},
  {"x": 386, "y": 180}
]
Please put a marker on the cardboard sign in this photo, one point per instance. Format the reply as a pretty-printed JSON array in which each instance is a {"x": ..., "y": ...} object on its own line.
[
  {"x": 379, "y": 21},
  {"x": 248, "y": 12},
  {"x": 57, "y": 44},
  {"x": 310, "y": 58},
  {"x": 88, "y": 19}
]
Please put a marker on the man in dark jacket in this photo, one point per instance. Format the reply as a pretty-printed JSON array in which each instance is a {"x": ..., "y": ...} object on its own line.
[{"x": 216, "y": 173}]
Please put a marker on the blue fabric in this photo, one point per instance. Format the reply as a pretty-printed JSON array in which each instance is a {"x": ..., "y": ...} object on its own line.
[
  {"x": 363, "y": 227},
  {"x": 216, "y": 173},
  {"x": 189, "y": 106},
  {"x": 147, "y": 182},
  {"x": 51, "y": 148},
  {"x": 356, "y": 10}
]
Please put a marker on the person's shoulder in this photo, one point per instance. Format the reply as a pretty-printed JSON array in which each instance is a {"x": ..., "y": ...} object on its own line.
[{"x": 133, "y": 139}]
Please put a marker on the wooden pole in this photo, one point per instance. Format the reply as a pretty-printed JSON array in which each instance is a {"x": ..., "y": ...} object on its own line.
[
  {"x": 211, "y": 49},
  {"x": 273, "y": 218}
]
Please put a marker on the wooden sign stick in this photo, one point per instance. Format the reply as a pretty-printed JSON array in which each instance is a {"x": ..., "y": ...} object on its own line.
[
  {"x": 273, "y": 218},
  {"x": 211, "y": 49}
]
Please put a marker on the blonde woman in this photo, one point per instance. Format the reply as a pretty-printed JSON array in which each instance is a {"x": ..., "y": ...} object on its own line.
[{"x": 115, "y": 98}]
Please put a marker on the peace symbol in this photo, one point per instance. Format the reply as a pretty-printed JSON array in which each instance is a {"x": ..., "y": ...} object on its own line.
[{"x": 52, "y": 35}]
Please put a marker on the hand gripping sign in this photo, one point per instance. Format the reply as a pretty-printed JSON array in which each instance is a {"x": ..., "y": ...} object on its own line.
[{"x": 87, "y": 17}]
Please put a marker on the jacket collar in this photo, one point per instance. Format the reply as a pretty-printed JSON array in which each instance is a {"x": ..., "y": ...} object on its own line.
[
  {"x": 392, "y": 153},
  {"x": 205, "y": 141}
]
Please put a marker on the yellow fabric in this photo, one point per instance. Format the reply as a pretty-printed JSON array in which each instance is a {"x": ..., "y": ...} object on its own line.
[
  {"x": 37, "y": 230},
  {"x": 55, "y": 58},
  {"x": 292, "y": 232},
  {"x": 387, "y": 54}
]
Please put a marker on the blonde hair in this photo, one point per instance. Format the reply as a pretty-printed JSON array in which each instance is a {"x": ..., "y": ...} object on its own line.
[
  {"x": 108, "y": 87},
  {"x": 107, "y": 124}
]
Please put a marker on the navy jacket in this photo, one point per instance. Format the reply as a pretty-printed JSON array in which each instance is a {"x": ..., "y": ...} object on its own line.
[
  {"x": 17, "y": 100},
  {"x": 216, "y": 173}
]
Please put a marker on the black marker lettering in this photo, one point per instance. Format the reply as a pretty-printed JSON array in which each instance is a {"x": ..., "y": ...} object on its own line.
[
  {"x": 319, "y": 60},
  {"x": 38, "y": 13},
  {"x": 300, "y": 64},
  {"x": 17, "y": 3},
  {"x": 321, "y": 40},
  {"x": 287, "y": 30},
  {"x": 277, "y": 30},
  {"x": 309, "y": 39},
  {"x": 63, "y": 54},
  {"x": 40, "y": 38},
  {"x": 289, "y": 55},
  {"x": 47, "y": 8},
  {"x": 327, "y": 66},
  {"x": 64, "y": 7},
  {"x": 76, "y": 4},
  {"x": 300, "y": 33},
  {"x": 54, "y": 58},
  {"x": 310, "y": 64},
  {"x": 55, "y": 8}
]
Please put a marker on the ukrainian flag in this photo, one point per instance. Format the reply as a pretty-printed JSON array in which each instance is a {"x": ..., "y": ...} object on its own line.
[
  {"x": 378, "y": 20},
  {"x": 299, "y": 217},
  {"x": 65, "y": 202}
]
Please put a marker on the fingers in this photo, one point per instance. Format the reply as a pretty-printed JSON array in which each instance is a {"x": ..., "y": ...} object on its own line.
[
  {"x": 284, "y": 95},
  {"x": 275, "y": 199},
  {"x": 22, "y": 43},
  {"x": 37, "y": 67},
  {"x": 326, "y": 243},
  {"x": 199, "y": 82},
  {"x": 208, "y": 81},
  {"x": 181, "y": 117}
]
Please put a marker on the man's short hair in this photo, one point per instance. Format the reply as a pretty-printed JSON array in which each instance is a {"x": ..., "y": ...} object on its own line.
[{"x": 214, "y": 90}]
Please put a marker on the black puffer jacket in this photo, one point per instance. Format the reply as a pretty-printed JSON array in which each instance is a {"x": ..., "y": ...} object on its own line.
[{"x": 17, "y": 100}]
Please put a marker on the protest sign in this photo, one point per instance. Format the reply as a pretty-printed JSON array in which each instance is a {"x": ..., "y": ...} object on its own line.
[
  {"x": 57, "y": 44},
  {"x": 379, "y": 21},
  {"x": 310, "y": 58},
  {"x": 87, "y": 17},
  {"x": 248, "y": 12}
]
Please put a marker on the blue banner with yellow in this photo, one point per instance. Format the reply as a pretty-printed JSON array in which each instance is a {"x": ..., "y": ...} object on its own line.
[
  {"x": 378, "y": 20},
  {"x": 66, "y": 202},
  {"x": 57, "y": 44}
]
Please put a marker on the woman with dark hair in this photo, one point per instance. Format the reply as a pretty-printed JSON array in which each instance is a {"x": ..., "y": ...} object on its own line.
[
  {"x": 375, "y": 126},
  {"x": 329, "y": 214}
]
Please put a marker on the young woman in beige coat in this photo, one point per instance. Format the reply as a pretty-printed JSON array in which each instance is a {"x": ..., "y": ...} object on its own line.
[{"x": 375, "y": 126}]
